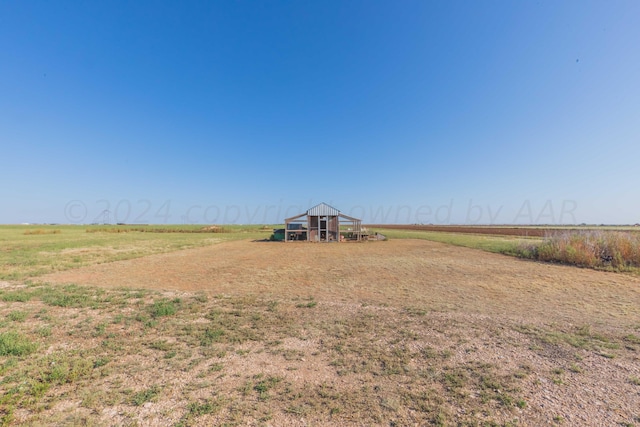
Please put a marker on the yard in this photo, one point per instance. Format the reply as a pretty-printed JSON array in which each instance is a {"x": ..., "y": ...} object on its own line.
[{"x": 239, "y": 331}]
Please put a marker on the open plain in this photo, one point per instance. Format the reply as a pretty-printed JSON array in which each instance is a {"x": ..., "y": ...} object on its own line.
[{"x": 248, "y": 332}]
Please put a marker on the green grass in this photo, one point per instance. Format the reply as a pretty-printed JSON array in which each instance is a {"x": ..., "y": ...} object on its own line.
[
  {"x": 608, "y": 248},
  {"x": 264, "y": 385},
  {"x": 165, "y": 307},
  {"x": 577, "y": 337},
  {"x": 198, "y": 409},
  {"x": 16, "y": 344},
  {"x": 498, "y": 244},
  {"x": 310, "y": 304},
  {"x": 19, "y": 295},
  {"x": 17, "y": 316},
  {"x": 33, "y": 251},
  {"x": 145, "y": 396}
]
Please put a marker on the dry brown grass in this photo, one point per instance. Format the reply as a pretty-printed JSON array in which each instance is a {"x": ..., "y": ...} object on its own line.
[
  {"x": 596, "y": 249},
  {"x": 40, "y": 231}
]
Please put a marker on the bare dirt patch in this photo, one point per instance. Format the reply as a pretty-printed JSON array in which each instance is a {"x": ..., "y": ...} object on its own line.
[{"x": 403, "y": 273}]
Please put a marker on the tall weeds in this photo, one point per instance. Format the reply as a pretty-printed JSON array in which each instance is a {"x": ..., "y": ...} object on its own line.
[
  {"x": 41, "y": 231},
  {"x": 588, "y": 248}
]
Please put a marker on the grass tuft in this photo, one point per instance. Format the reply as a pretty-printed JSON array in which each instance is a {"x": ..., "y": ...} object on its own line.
[
  {"x": 17, "y": 316},
  {"x": 15, "y": 344},
  {"x": 263, "y": 386},
  {"x": 145, "y": 396},
  {"x": 20, "y": 295},
  {"x": 165, "y": 307},
  {"x": 68, "y": 296}
]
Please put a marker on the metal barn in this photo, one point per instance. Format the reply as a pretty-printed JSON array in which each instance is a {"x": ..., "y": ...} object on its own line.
[{"x": 322, "y": 223}]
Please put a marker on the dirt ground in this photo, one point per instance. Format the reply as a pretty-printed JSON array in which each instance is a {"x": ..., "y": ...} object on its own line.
[
  {"x": 564, "y": 339},
  {"x": 401, "y": 273}
]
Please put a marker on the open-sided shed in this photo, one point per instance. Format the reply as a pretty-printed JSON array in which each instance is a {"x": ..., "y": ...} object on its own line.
[{"x": 322, "y": 223}]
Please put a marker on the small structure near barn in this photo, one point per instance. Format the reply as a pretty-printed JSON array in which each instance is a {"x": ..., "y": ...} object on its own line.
[{"x": 322, "y": 223}]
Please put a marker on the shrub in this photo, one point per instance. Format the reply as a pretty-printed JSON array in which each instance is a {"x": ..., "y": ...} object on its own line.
[{"x": 596, "y": 249}]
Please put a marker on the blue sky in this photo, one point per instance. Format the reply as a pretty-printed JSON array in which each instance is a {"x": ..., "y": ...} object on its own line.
[{"x": 243, "y": 111}]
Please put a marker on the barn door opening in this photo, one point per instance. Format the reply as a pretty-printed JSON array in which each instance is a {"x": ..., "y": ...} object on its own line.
[{"x": 323, "y": 229}]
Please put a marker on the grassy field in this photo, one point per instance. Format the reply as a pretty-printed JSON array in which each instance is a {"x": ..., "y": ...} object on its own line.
[
  {"x": 405, "y": 332},
  {"x": 606, "y": 248},
  {"x": 491, "y": 243},
  {"x": 30, "y": 251}
]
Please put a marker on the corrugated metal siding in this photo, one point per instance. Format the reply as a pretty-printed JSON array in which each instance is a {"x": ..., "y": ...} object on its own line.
[{"x": 323, "y": 210}]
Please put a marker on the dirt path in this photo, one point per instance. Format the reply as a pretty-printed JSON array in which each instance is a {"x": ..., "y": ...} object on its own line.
[{"x": 404, "y": 273}]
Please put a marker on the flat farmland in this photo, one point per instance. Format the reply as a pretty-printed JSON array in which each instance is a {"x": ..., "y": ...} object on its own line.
[
  {"x": 492, "y": 230},
  {"x": 521, "y": 231},
  {"x": 248, "y": 332}
]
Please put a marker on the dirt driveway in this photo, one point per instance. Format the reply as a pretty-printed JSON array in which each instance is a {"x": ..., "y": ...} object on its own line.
[{"x": 402, "y": 273}]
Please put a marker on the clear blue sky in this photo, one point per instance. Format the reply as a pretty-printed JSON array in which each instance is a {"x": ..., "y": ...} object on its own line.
[{"x": 246, "y": 111}]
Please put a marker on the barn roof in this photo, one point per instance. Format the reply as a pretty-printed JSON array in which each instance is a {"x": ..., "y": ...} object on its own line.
[{"x": 323, "y": 210}]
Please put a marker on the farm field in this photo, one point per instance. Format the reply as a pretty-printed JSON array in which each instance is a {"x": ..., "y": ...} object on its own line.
[
  {"x": 504, "y": 230},
  {"x": 28, "y": 251},
  {"x": 491, "y": 230},
  {"x": 227, "y": 329}
]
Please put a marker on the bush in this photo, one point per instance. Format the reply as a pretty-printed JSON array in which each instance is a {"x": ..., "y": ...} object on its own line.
[{"x": 595, "y": 249}]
